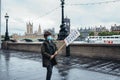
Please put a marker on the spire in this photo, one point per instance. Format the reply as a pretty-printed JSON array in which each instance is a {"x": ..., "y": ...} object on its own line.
[{"x": 39, "y": 29}]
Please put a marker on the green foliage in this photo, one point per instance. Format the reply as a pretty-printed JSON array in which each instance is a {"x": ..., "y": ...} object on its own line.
[
  {"x": 108, "y": 33},
  {"x": 91, "y": 34}
]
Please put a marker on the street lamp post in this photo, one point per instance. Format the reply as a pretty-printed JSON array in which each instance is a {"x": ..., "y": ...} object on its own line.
[
  {"x": 63, "y": 33},
  {"x": 62, "y": 5},
  {"x": 6, "y": 33}
]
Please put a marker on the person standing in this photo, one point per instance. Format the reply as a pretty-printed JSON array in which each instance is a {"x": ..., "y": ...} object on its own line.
[{"x": 49, "y": 51}]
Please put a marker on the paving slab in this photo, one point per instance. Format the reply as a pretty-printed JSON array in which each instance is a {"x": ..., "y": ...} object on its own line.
[{"x": 15, "y": 65}]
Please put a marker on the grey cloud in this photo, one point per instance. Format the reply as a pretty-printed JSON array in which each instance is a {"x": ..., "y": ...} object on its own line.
[{"x": 25, "y": 10}]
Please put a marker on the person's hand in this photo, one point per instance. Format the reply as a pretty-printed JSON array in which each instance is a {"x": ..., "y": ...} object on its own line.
[{"x": 52, "y": 56}]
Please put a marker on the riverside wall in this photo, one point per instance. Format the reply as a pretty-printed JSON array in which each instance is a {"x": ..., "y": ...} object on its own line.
[{"x": 105, "y": 51}]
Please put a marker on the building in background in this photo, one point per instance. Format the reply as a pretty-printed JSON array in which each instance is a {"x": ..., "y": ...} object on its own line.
[
  {"x": 29, "y": 34},
  {"x": 115, "y": 28},
  {"x": 39, "y": 32},
  {"x": 29, "y": 27},
  {"x": 86, "y": 31},
  {"x": 100, "y": 29}
]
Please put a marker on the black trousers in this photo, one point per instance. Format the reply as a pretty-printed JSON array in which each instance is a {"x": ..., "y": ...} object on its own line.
[{"x": 49, "y": 72}]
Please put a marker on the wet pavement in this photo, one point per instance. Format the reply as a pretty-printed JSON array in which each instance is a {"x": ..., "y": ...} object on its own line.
[{"x": 15, "y": 65}]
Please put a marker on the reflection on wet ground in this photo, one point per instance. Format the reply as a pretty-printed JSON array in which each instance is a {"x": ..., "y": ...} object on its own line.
[{"x": 15, "y": 65}]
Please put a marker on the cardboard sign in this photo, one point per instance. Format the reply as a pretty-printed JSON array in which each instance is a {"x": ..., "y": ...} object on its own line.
[{"x": 71, "y": 37}]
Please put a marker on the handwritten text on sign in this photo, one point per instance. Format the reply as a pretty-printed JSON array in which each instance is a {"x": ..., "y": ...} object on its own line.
[{"x": 71, "y": 37}]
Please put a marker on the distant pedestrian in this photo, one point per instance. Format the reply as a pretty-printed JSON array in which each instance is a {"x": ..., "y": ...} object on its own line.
[{"x": 49, "y": 51}]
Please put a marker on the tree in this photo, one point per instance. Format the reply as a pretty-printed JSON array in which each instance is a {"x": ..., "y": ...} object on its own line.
[
  {"x": 102, "y": 33},
  {"x": 106, "y": 33},
  {"x": 91, "y": 34}
]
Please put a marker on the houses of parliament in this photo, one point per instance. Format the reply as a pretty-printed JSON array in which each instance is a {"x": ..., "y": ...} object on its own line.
[{"x": 29, "y": 33}]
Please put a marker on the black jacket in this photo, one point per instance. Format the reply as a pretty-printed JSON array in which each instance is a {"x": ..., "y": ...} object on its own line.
[{"x": 48, "y": 49}]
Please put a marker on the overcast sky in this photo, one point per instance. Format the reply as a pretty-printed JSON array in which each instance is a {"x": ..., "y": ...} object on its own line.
[{"x": 39, "y": 12}]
